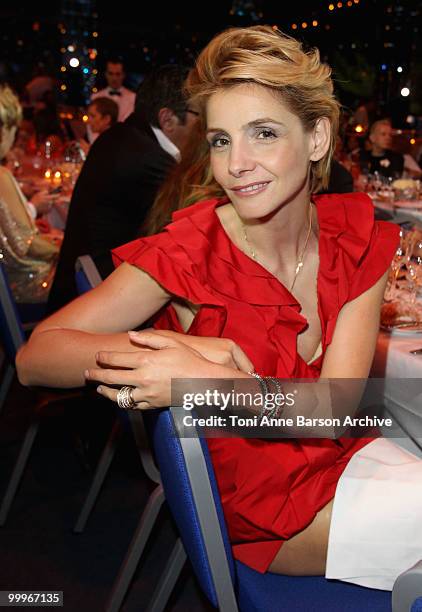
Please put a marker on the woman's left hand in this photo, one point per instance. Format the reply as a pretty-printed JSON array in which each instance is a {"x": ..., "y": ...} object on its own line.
[
  {"x": 219, "y": 350},
  {"x": 149, "y": 372}
]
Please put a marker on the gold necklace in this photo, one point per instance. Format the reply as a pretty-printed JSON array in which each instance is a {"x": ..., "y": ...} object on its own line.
[{"x": 299, "y": 264}]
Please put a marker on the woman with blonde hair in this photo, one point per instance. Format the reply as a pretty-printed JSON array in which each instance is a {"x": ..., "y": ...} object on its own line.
[
  {"x": 292, "y": 280},
  {"x": 29, "y": 257}
]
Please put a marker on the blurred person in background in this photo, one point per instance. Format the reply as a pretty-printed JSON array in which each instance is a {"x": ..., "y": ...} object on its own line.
[
  {"x": 121, "y": 175},
  {"x": 40, "y": 84},
  {"x": 124, "y": 97},
  {"x": 187, "y": 182},
  {"x": 48, "y": 127},
  {"x": 381, "y": 158},
  {"x": 102, "y": 114},
  {"x": 29, "y": 257}
]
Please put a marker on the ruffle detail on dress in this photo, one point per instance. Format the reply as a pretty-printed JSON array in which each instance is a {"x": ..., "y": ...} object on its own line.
[
  {"x": 245, "y": 281},
  {"x": 171, "y": 267},
  {"x": 244, "y": 278},
  {"x": 354, "y": 250}
]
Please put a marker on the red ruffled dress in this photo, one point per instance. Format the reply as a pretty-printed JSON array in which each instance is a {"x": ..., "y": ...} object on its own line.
[{"x": 270, "y": 490}]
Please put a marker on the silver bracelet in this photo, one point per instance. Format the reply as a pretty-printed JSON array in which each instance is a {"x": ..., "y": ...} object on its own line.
[
  {"x": 275, "y": 382},
  {"x": 264, "y": 392},
  {"x": 262, "y": 382},
  {"x": 277, "y": 410}
]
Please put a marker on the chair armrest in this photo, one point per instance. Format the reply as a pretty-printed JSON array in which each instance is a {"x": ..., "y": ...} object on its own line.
[{"x": 407, "y": 588}]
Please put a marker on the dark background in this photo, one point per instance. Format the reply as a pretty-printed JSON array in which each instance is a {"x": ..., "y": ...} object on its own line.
[{"x": 364, "y": 43}]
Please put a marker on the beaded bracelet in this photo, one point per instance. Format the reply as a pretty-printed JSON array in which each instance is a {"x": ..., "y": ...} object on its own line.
[
  {"x": 277, "y": 410},
  {"x": 264, "y": 391},
  {"x": 262, "y": 382},
  {"x": 275, "y": 383}
]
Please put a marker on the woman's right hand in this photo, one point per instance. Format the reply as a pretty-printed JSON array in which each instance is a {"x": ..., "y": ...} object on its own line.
[{"x": 222, "y": 351}]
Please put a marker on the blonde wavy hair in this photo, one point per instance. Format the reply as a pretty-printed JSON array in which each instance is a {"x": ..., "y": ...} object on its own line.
[
  {"x": 10, "y": 108},
  {"x": 264, "y": 56}
]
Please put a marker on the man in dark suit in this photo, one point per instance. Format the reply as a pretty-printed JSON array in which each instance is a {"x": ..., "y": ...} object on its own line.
[
  {"x": 120, "y": 178},
  {"x": 381, "y": 158}
]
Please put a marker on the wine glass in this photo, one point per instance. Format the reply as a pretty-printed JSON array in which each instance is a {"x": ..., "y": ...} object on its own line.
[
  {"x": 413, "y": 263},
  {"x": 376, "y": 183},
  {"x": 74, "y": 157},
  {"x": 399, "y": 260}
]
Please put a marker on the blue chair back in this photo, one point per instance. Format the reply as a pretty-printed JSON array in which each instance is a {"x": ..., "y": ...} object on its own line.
[
  {"x": 86, "y": 274},
  {"x": 196, "y": 509},
  {"x": 417, "y": 605},
  {"x": 11, "y": 330},
  {"x": 190, "y": 488}
]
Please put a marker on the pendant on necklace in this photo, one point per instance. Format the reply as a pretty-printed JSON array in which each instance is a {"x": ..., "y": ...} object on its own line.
[{"x": 298, "y": 267}]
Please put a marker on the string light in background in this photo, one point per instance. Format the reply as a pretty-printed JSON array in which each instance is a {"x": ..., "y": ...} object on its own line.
[
  {"x": 315, "y": 22},
  {"x": 78, "y": 27},
  {"x": 79, "y": 55}
]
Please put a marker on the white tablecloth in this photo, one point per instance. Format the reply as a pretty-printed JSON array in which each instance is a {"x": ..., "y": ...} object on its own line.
[
  {"x": 393, "y": 359},
  {"x": 403, "y": 398}
]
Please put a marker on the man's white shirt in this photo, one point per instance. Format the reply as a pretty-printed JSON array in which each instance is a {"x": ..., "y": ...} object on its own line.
[{"x": 166, "y": 144}]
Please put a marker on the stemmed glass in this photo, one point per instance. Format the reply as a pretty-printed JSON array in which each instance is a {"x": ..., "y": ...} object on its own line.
[
  {"x": 376, "y": 183},
  {"x": 73, "y": 160},
  {"x": 414, "y": 266},
  {"x": 401, "y": 257}
]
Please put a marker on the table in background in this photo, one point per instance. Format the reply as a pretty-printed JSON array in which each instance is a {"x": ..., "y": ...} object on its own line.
[
  {"x": 400, "y": 214},
  {"x": 403, "y": 398}
]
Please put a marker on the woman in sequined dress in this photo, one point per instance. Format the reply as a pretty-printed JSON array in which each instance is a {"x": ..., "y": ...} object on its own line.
[{"x": 28, "y": 256}]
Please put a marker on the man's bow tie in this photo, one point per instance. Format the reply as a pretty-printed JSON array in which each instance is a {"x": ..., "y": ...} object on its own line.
[{"x": 114, "y": 92}]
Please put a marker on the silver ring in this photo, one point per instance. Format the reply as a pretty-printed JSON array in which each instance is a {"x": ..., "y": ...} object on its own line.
[{"x": 124, "y": 398}]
